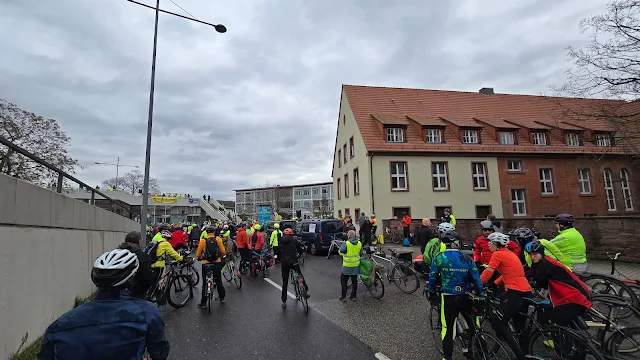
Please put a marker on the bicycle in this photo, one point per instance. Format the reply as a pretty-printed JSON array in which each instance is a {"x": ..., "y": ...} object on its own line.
[
  {"x": 231, "y": 274},
  {"x": 605, "y": 284},
  {"x": 302, "y": 254},
  {"x": 633, "y": 284},
  {"x": 393, "y": 237},
  {"x": 171, "y": 279},
  {"x": 189, "y": 269},
  {"x": 210, "y": 284},
  {"x": 401, "y": 273},
  {"x": 375, "y": 284},
  {"x": 297, "y": 280}
]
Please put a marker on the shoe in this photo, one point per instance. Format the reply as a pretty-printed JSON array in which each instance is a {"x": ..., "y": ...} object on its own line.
[
  {"x": 352, "y": 299},
  {"x": 284, "y": 304},
  {"x": 221, "y": 301},
  {"x": 202, "y": 306},
  {"x": 343, "y": 299}
]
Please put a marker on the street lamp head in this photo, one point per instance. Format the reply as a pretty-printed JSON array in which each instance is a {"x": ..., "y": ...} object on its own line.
[{"x": 221, "y": 28}]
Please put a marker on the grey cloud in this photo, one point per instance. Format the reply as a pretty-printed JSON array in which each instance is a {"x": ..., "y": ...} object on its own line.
[{"x": 259, "y": 103}]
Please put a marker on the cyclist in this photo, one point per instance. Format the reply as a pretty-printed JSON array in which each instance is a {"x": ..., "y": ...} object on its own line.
[
  {"x": 143, "y": 279},
  {"x": 435, "y": 245},
  {"x": 125, "y": 326},
  {"x": 570, "y": 297},
  {"x": 457, "y": 274},
  {"x": 525, "y": 236},
  {"x": 243, "y": 245},
  {"x": 571, "y": 243},
  {"x": 211, "y": 261},
  {"x": 289, "y": 249},
  {"x": 508, "y": 265},
  {"x": 273, "y": 242},
  {"x": 482, "y": 254},
  {"x": 256, "y": 242},
  {"x": 350, "y": 252},
  {"x": 424, "y": 234},
  {"x": 158, "y": 236}
]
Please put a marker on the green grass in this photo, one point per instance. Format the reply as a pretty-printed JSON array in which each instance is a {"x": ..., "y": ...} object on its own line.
[{"x": 30, "y": 351}]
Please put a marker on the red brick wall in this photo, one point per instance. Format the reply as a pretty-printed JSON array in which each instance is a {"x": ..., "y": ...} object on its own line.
[
  {"x": 602, "y": 234},
  {"x": 566, "y": 197}
]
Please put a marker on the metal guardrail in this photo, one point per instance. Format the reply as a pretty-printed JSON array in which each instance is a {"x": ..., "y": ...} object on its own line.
[{"x": 62, "y": 175}]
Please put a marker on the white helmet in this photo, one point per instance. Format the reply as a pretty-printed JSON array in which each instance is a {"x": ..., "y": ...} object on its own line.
[
  {"x": 225, "y": 226},
  {"x": 166, "y": 234},
  {"x": 114, "y": 268},
  {"x": 499, "y": 238},
  {"x": 444, "y": 227}
]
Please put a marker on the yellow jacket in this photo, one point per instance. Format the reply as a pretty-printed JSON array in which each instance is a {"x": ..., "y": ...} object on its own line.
[
  {"x": 203, "y": 245},
  {"x": 164, "y": 249}
]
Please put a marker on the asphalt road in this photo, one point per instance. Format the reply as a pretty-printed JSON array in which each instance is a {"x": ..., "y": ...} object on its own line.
[{"x": 252, "y": 325}]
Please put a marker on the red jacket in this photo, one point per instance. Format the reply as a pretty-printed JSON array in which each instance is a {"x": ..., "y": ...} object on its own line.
[
  {"x": 179, "y": 237},
  {"x": 483, "y": 254},
  {"x": 406, "y": 221},
  {"x": 241, "y": 239},
  {"x": 564, "y": 286},
  {"x": 258, "y": 243}
]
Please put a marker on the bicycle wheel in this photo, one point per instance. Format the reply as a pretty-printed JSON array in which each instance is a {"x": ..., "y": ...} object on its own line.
[
  {"x": 180, "y": 287},
  {"x": 553, "y": 342},
  {"x": 237, "y": 280},
  {"x": 623, "y": 315},
  {"x": 625, "y": 344},
  {"x": 487, "y": 346},
  {"x": 301, "y": 259},
  {"x": 376, "y": 289},
  {"x": 195, "y": 276},
  {"x": 405, "y": 278},
  {"x": 603, "y": 284},
  {"x": 227, "y": 272},
  {"x": 302, "y": 291},
  {"x": 209, "y": 300},
  {"x": 436, "y": 326}
]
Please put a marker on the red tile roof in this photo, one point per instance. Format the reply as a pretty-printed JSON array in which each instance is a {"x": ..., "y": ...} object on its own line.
[
  {"x": 427, "y": 120},
  {"x": 397, "y": 105}
]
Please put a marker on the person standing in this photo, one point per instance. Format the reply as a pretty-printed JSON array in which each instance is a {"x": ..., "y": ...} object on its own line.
[
  {"x": 274, "y": 242},
  {"x": 365, "y": 232},
  {"x": 350, "y": 252},
  {"x": 406, "y": 225},
  {"x": 361, "y": 221},
  {"x": 289, "y": 249},
  {"x": 243, "y": 245},
  {"x": 448, "y": 217},
  {"x": 144, "y": 277},
  {"x": 211, "y": 251},
  {"x": 424, "y": 234}
]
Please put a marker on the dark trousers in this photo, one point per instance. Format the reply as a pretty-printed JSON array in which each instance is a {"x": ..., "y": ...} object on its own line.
[
  {"x": 244, "y": 256},
  {"x": 366, "y": 238},
  {"x": 452, "y": 306},
  {"x": 562, "y": 315},
  {"x": 354, "y": 284},
  {"x": 286, "y": 269},
  {"x": 276, "y": 254},
  {"x": 512, "y": 305},
  {"x": 405, "y": 231},
  {"x": 217, "y": 279}
]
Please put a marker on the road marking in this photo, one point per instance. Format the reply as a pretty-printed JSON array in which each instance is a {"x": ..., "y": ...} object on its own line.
[
  {"x": 279, "y": 287},
  {"x": 381, "y": 356}
]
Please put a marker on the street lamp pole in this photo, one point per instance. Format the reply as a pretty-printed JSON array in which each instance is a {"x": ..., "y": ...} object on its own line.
[
  {"x": 118, "y": 166},
  {"x": 145, "y": 196}
]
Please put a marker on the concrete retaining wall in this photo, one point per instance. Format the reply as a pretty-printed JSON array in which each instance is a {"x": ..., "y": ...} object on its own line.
[{"x": 48, "y": 243}]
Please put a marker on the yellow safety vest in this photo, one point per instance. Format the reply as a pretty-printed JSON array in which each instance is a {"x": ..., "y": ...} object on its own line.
[{"x": 352, "y": 257}]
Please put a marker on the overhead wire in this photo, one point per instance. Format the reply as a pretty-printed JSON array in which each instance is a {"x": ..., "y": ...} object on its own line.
[{"x": 181, "y": 8}]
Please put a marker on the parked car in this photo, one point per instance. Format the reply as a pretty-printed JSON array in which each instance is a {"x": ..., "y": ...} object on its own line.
[
  {"x": 268, "y": 227},
  {"x": 317, "y": 234}
]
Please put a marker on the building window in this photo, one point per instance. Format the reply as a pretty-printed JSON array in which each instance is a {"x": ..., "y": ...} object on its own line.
[
  {"x": 518, "y": 202},
  {"x": 572, "y": 139},
  {"x": 514, "y": 165},
  {"x": 440, "y": 210},
  {"x": 469, "y": 136},
  {"x": 339, "y": 191},
  {"x": 439, "y": 174},
  {"x": 315, "y": 191},
  {"x": 339, "y": 213},
  {"x": 344, "y": 152},
  {"x": 339, "y": 158},
  {"x": 399, "y": 176},
  {"x": 608, "y": 190},
  {"x": 347, "y": 212},
  {"x": 344, "y": 120},
  {"x": 479, "y": 173},
  {"x": 434, "y": 136},
  {"x": 603, "y": 140},
  {"x": 399, "y": 211},
  {"x": 306, "y": 192},
  {"x": 395, "y": 135},
  {"x": 346, "y": 185},
  {"x": 356, "y": 181},
  {"x": 482, "y": 211},
  {"x": 539, "y": 138},
  {"x": 546, "y": 181},
  {"x": 296, "y": 192},
  {"x": 325, "y": 190},
  {"x": 626, "y": 189},
  {"x": 507, "y": 138},
  {"x": 297, "y": 204},
  {"x": 351, "y": 148},
  {"x": 584, "y": 181}
]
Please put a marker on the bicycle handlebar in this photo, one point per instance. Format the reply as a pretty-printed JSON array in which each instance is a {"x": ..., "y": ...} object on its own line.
[{"x": 615, "y": 257}]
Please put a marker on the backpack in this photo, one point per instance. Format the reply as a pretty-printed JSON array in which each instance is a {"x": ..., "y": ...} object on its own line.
[
  {"x": 212, "y": 250},
  {"x": 152, "y": 251},
  {"x": 431, "y": 250}
]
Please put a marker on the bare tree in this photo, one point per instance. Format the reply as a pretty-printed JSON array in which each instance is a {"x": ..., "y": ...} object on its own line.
[
  {"x": 279, "y": 198},
  {"x": 38, "y": 135},
  {"x": 132, "y": 182},
  {"x": 321, "y": 206}
]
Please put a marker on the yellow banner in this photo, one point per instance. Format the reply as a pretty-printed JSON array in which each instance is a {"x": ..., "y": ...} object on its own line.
[{"x": 164, "y": 199}]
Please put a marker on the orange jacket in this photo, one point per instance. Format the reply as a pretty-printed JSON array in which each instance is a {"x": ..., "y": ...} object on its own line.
[
  {"x": 241, "y": 239},
  {"x": 406, "y": 221},
  {"x": 202, "y": 246},
  {"x": 508, "y": 265}
]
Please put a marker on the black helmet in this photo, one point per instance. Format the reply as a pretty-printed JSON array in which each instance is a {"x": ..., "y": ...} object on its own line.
[
  {"x": 564, "y": 219},
  {"x": 449, "y": 237},
  {"x": 523, "y": 234}
]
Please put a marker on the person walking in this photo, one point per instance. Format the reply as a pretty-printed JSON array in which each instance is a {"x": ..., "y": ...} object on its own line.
[{"x": 289, "y": 249}]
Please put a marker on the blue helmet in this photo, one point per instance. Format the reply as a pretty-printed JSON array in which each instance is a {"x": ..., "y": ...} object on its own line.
[{"x": 534, "y": 247}]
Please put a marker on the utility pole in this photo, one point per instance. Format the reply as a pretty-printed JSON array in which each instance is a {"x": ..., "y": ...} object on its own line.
[
  {"x": 118, "y": 166},
  {"x": 145, "y": 192}
]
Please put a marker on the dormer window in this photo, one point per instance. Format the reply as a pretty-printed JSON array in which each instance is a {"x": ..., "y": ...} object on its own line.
[
  {"x": 603, "y": 140},
  {"x": 470, "y": 137},
  {"x": 572, "y": 139},
  {"x": 434, "y": 136},
  {"x": 395, "y": 135},
  {"x": 539, "y": 138},
  {"x": 507, "y": 138}
]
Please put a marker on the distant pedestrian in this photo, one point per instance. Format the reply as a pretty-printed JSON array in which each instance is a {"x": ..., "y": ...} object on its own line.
[{"x": 208, "y": 198}]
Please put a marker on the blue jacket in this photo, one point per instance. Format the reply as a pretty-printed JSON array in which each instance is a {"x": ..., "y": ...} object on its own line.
[
  {"x": 455, "y": 272},
  {"x": 113, "y": 326}
]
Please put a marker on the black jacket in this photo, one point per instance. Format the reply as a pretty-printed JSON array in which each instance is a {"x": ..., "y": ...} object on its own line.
[
  {"x": 194, "y": 234},
  {"x": 366, "y": 227},
  {"x": 424, "y": 235},
  {"x": 288, "y": 250},
  {"x": 145, "y": 276}
]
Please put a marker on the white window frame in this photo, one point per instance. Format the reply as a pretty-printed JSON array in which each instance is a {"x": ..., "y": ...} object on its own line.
[
  {"x": 513, "y": 169},
  {"x": 434, "y": 136},
  {"x": 603, "y": 140},
  {"x": 399, "y": 175},
  {"x": 609, "y": 193},
  {"x": 507, "y": 138},
  {"x": 346, "y": 185},
  {"x": 306, "y": 192},
  {"x": 539, "y": 138},
  {"x": 519, "y": 202},
  {"x": 479, "y": 173},
  {"x": 546, "y": 179},
  {"x": 584, "y": 181},
  {"x": 338, "y": 184},
  {"x": 395, "y": 135},
  {"x": 572, "y": 139},
  {"x": 356, "y": 181},
  {"x": 470, "y": 137},
  {"x": 315, "y": 191},
  {"x": 439, "y": 176},
  {"x": 626, "y": 189}
]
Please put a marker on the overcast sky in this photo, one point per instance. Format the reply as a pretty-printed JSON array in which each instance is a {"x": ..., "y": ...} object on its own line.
[{"x": 260, "y": 103}]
